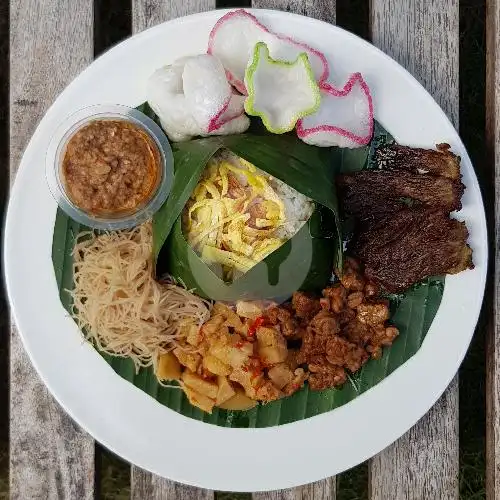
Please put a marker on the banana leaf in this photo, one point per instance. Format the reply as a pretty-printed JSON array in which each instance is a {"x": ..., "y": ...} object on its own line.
[
  {"x": 412, "y": 312},
  {"x": 304, "y": 262}
]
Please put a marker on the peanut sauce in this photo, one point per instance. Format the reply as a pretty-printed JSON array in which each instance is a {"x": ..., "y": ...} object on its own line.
[{"x": 111, "y": 167}]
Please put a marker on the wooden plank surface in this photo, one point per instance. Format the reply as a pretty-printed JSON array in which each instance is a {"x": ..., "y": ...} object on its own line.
[
  {"x": 319, "y": 9},
  {"x": 321, "y": 490},
  {"x": 147, "y": 486},
  {"x": 147, "y": 13},
  {"x": 144, "y": 485},
  {"x": 326, "y": 11},
  {"x": 493, "y": 343},
  {"x": 423, "y": 36},
  {"x": 50, "y": 457}
]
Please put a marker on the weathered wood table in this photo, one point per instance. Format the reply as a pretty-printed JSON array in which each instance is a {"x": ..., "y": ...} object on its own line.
[{"x": 51, "y": 41}]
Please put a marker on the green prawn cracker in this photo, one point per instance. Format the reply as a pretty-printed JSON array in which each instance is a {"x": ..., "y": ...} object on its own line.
[{"x": 280, "y": 92}]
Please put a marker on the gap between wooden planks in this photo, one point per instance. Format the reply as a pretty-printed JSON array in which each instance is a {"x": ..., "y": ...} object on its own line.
[{"x": 493, "y": 338}]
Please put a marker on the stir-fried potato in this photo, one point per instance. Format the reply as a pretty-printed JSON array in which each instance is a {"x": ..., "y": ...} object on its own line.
[
  {"x": 197, "y": 399},
  {"x": 196, "y": 383},
  {"x": 188, "y": 359},
  {"x": 271, "y": 346},
  {"x": 215, "y": 365},
  {"x": 247, "y": 309},
  {"x": 226, "y": 391},
  {"x": 235, "y": 360},
  {"x": 280, "y": 375},
  {"x": 240, "y": 401},
  {"x": 169, "y": 367},
  {"x": 192, "y": 333},
  {"x": 231, "y": 356}
]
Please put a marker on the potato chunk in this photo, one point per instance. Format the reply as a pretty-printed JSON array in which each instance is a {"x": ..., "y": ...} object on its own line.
[
  {"x": 247, "y": 309},
  {"x": 299, "y": 377},
  {"x": 280, "y": 375},
  {"x": 272, "y": 346},
  {"x": 240, "y": 401},
  {"x": 196, "y": 383},
  {"x": 199, "y": 400},
  {"x": 248, "y": 380},
  {"x": 192, "y": 333},
  {"x": 168, "y": 367},
  {"x": 215, "y": 365},
  {"x": 231, "y": 356},
  {"x": 213, "y": 324},
  {"x": 190, "y": 360},
  {"x": 272, "y": 355},
  {"x": 268, "y": 392},
  {"x": 226, "y": 390},
  {"x": 231, "y": 318},
  {"x": 267, "y": 337}
]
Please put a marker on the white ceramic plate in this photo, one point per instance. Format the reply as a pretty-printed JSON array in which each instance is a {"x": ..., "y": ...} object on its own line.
[{"x": 135, "y": 426}]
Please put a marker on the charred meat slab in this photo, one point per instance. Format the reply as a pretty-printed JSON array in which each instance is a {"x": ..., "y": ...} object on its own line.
[
  {"x": 376, "y": 189},
  {"x": 441, "y": 162},
  {"x": 411, "y": 245},
  {"x": 404, "y": 230}
]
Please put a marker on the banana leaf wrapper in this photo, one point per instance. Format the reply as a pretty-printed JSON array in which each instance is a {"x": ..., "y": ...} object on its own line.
[{"x": 304, "y": 262}]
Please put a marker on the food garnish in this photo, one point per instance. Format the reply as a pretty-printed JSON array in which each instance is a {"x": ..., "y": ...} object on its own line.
[
  {"x": 280, "y": 92},
  {"x": 344, "y": 118},
  {"x": 110, "y": 168},
  {"x": 233, "y": 41},
  {"x": 193, "y": 98}
]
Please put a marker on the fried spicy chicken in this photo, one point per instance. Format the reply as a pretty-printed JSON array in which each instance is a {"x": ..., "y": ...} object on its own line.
[{"x": 340, "y": 331}]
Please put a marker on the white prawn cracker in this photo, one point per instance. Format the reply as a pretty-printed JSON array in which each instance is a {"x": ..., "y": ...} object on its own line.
[
  {"x": 233, "y": 40},
  {"x": 344, "y": 118},
  {"x": 206, "y": 90},
  {"x": 280, "y": 92},
  {"x": 192, "y": 97}
]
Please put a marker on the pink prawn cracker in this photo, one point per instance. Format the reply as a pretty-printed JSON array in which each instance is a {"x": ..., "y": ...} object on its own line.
[
  {"x": 345, "y": 116},
  {"x": 235, "y": 35}
]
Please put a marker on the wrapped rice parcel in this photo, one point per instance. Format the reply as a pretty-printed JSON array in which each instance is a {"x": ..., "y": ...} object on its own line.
[{"x": 249, "y": 216}]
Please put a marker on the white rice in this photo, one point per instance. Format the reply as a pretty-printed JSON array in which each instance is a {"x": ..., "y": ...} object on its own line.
[{"x": 298, "y": 208}]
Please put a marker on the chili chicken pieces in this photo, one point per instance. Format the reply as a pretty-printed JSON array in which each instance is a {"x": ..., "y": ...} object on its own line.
[
  {"x": 339, "y": 331},
  {"x": 261, "y": 352}
]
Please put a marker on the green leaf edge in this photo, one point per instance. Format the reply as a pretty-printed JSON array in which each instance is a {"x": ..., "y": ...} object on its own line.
[
  {"x": 165, "y": 217},
  {"x": 233, "y": 291}
]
